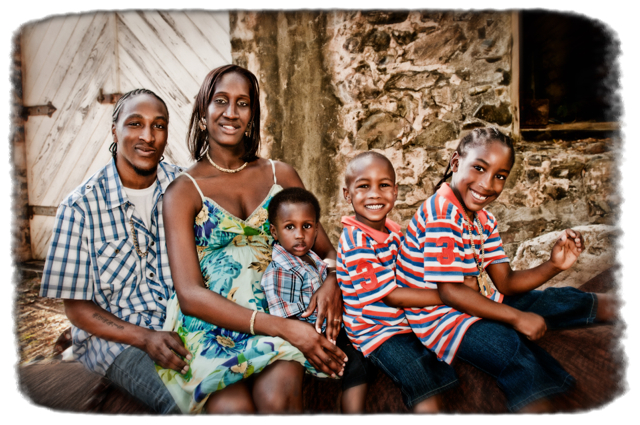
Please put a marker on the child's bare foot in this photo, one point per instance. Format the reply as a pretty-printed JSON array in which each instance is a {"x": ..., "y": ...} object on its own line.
[
  {"x": 430, "y": 405},
  {"x": 608, "y": 307},
  {"x": 542, "y": 405}
]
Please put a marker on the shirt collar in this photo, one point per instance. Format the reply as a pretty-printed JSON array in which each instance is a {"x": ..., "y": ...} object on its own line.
[
  {"x": 116, "y": 195},
  {"x": 446, "y": 192},
  {"x": 289, "y": 261},
  {"x": 376, "y": 235}
]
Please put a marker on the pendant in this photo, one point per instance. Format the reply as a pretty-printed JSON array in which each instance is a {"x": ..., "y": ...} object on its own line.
[{"x": 486, "y": 290}]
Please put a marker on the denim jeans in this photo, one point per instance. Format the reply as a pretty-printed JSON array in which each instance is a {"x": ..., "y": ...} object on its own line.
[
  {"x": 134, "y": 371},
  {"x": 359, "y": 369},
  {"x": 416, "y": 370},
  {"x": 523, "y": 370}
]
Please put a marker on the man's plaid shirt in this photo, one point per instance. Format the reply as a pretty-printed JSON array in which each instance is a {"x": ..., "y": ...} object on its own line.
[
  {"x": 289, "y": 283},
  {"x": 92, "y": 257}
]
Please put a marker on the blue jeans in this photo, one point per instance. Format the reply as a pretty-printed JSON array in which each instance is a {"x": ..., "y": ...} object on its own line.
[
  {"x": 413, "y": 368},
  {"x": 523, "y": 370},
  {"x": 134, "y": 371}
]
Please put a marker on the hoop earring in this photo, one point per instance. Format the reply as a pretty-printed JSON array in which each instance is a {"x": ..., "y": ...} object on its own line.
[
  {"x": 248, "y": 131},
  {"x": 202, "y": 124},
  {"x": 162, "y": 158}
]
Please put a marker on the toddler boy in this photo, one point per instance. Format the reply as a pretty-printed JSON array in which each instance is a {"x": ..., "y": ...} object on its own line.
[{"x": 296, "y": 272}]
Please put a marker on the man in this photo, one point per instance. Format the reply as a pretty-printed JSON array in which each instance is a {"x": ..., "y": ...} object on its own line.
[{"x": 108, "y": 258}]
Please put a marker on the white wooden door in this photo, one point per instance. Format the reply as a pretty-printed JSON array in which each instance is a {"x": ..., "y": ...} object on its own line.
[{"x": 67, "y": 60}]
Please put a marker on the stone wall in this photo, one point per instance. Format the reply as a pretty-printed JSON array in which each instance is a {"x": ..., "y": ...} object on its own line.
[{"x": 409, "y": 84}]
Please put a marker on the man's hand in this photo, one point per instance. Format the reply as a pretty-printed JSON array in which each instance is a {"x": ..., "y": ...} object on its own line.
[
  {"x": 166, "y": 349},
  {"x": 530, "y": 325},
  {"x": 328, "y": 299},
  {"x": 567, "y": 249}
]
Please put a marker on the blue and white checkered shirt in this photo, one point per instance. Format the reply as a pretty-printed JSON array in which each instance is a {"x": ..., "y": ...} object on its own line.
[
  {"x": 289, "y": 283},
  {"x": 92, "y": 257}
]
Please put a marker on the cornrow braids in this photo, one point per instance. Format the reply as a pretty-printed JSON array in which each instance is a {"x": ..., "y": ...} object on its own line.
[
  {"x": 113, "y": 148},
  {"x": 478, "y": 136}
]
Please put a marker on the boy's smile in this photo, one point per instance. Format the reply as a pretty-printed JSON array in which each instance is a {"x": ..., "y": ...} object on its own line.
[
  {"x": 479, "y": 177},
  {"x": 295, "y": 228},
  {"x": 371, "y": 190}
]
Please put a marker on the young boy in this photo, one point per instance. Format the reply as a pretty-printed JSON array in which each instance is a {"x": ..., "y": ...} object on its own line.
[
  {"x": 373, "y": 316},
  {"x": 296, "y": 272}
]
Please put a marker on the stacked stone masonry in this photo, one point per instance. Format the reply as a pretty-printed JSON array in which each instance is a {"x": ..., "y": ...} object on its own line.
[{"x": 409, "y": 84}]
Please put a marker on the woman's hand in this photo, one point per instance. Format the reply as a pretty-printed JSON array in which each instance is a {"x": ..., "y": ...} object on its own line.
[
  {"x": 328, "y": 299},
  {"x": 530, "y": 325},
  {"x": 567, "y": 249},
  {"x": 323, "y": 355}
]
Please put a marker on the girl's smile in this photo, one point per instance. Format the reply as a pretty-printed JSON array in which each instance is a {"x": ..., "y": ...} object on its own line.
[{"x": 479, "y": 176}]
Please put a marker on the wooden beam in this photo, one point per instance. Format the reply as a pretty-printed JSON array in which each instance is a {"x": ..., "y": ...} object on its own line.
[{"x": 588, "y": 126}]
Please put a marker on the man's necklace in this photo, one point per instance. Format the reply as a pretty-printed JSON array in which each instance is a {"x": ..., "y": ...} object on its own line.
[
  {"x": 135, "y": 240},
  {"x": 486, "y": 290}
]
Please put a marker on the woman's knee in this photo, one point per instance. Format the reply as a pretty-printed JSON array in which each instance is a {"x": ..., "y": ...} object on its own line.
[
  {"x": 278, "y": 389},
  {"x": 235, "y": 398}
]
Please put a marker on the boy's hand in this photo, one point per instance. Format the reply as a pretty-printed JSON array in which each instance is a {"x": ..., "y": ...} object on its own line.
[
  {"x": 567, "y": 249},
  {"x": 530, "y": 325},
  {"x": 472, "y": 282}
]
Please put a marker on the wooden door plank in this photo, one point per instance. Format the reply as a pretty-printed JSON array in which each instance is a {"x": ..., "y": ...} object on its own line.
[
  {"x": 34, "y": 36},
  {"x": 215, "y": 34},
  {"x": 44, "y": 85},
  {"x": 56, "y": 145},
  {"x": 76, "y": 75},
  {"x": 173, "y": 42},
  {"x": 136, "y": 36},
  {"x": 41, "y": 232},
  {"x": 199, "y": 45}
]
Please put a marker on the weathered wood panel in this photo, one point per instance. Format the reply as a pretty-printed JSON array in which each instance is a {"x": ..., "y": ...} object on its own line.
[{"x": 68, "y": 59}]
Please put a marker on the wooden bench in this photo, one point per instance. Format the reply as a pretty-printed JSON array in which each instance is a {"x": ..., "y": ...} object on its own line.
[{"x": 593, "y": 355}]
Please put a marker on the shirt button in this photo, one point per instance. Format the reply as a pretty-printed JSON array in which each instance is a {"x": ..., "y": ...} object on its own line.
[
  {"x": 151, "y": 274},
  {"x": 151, "y": 244},
  {"x": 88, "y": 186},
  {"x": 117, "y": 251},
  {"x": 160, "y": 298}
]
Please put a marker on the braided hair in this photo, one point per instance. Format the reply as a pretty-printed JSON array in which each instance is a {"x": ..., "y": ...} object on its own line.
[
  {"x": 477, "y": 137},
  {"x": 113, "y": 148}
]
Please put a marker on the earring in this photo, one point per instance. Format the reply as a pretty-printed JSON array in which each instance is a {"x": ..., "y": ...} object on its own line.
[
  {"x": 202, "y": 124},
  {"x": 248, "y": 131}
]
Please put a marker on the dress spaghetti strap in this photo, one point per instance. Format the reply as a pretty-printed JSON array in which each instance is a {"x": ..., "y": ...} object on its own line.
[
  {"x": 273, "y": 167},
  {"x": 197, "y": 187}
]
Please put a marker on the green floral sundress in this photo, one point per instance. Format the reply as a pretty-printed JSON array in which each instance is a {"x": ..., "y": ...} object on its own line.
[{"x": 233, "y": 255}]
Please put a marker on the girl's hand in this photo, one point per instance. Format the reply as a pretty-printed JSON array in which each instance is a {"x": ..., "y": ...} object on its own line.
[
  {"x": 530, "y": 325},
  {"x": 329, "y": 302},
  {"x": 567, "y": 249},
  {"x": 323, "y": 355}
]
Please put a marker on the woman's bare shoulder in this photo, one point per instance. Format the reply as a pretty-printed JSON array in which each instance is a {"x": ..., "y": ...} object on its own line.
[{"x": 286, "y": 175}]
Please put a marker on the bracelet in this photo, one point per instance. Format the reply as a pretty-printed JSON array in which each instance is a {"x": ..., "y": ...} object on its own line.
[
  {"x": 253, "y": 320},
  {"x": 330, "y": 262}
]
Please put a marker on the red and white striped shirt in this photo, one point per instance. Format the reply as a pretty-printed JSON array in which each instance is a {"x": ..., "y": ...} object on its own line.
[
  {"x": 366, "y": 273},
  {"x": 437, "y": 248}
]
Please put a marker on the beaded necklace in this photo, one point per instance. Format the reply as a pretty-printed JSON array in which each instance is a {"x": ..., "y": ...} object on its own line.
[
  {"x": 486, "y": 290},
  {"x": 135, "y": 240}
]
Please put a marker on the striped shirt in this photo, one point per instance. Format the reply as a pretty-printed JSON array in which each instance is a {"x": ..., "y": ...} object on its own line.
[
  {"x": 437, "y": 248},
  {"x": 289, "y": 282},
  {"x": 92, "y": 257},
  {"x": 366, "y": 267}
]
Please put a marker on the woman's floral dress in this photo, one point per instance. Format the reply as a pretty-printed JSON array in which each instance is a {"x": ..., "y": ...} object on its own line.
[{"x": 233, "y": 255}]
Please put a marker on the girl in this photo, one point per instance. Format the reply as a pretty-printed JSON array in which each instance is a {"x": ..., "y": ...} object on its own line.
[{"x": 451, "y": 240}]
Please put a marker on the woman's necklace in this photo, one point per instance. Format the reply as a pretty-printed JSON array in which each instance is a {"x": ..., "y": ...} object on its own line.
[
  {"x": 486, "y": 290},
  {"x": 135, "y": 240},
  {"x": 226, "y": 170}
]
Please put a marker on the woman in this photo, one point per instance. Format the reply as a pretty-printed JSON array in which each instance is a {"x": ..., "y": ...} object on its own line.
[{"x": 217, "y": 280}]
